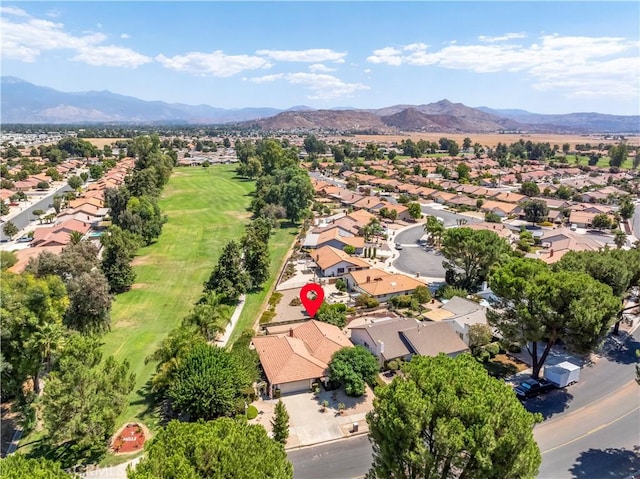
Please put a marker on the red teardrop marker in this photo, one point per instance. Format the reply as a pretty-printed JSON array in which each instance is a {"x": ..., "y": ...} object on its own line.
[{"x": 312, "y": 305}]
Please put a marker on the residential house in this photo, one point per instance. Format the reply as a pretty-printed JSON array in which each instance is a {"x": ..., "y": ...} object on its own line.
[
  {"x": 380, "y": 284},
  {"x": 402, "y": 338},
  {"x": 294, "y": 361},
  {"x": 334, "y": 262}
]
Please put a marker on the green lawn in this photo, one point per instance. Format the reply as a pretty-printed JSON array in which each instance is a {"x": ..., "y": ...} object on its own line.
[
  {"x": 602, "y": 162},
  {"x": 206, "y": 207}
]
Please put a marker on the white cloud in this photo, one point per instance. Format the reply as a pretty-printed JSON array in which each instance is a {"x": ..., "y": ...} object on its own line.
[
  {"x": 24, "y": 38},
  {"x": 501, "y": 38},
  {"x": 319, "y": 67},
  {"x": 216, "y": 63},
  {"x": 111, "y": 56},
  {"x": 321, "y": 86},
  {"x": 18, "y": 12},
  {"x": 125, "y": 36},
  {"x": 577, "y": 65},
  {"x": 367, "y": 70},
  {"x": 312, "y": 55}
]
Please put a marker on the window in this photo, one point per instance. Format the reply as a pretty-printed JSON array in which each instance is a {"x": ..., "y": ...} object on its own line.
[{"x": 340, "y": 270}]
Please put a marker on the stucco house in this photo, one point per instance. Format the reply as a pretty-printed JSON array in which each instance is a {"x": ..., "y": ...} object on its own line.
[
  {"x": 380, "y": 284},
  {"x": 334, "y": 262},
  {"x": 293, "y": 361},
  {"x": 402, "y": 338}
]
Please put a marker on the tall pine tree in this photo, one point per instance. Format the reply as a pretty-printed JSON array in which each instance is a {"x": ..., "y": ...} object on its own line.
[{"x": 280, "y": 423}]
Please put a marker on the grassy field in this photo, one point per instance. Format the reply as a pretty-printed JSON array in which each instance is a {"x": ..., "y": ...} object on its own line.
[{"x": 206, "y": 208}]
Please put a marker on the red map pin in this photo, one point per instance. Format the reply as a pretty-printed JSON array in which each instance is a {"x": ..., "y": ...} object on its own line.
[{"x": 312, "y": 305}]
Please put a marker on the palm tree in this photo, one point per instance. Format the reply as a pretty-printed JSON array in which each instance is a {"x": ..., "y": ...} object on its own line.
[
  {"x": 435, "y": 230},
  {"x": 47, "y": 339},
  {"x": 75, "y": 237}
]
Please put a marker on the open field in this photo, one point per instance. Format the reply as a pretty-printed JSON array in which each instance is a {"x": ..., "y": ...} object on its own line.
[
  {"x": 206, "y": 208},
  {"x": 100, "y": 142},
  {"x": 494, "y": 138}
]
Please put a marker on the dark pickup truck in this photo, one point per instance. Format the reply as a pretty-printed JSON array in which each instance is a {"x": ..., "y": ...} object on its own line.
[{"x": 533, "y": 387}]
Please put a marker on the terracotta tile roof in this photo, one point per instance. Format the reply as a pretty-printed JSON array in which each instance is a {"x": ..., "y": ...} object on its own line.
[
  {"x": 304, "y": 353},
  {"x": 380, "y": 283},
  {"x": 328, "y": 256},
  {"x": 335, "y": 233},
  {"x": 362, "y": 217}
]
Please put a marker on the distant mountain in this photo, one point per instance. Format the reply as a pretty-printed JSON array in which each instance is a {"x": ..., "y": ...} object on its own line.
[
  {"x": 586, "y": 122},
  {"x": 24, "y": 102}
]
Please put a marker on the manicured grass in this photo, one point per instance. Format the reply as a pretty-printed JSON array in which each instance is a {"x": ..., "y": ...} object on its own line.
[
  {"x": 602, "y": 162},
  {"x": 279, "y": 244},
  {"x": 206, "y": 208}
]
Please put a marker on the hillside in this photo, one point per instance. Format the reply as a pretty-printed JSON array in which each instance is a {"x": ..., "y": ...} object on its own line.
[{"x": 24, "y": 102}]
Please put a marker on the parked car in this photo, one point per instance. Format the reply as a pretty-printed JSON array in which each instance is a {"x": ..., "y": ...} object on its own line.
[
  {"x": 533, "y": 387},
  {"x": 398, "y": 246},
  {"x": 24, "y": 239}
]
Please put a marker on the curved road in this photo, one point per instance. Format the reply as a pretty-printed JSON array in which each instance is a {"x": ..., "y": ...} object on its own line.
[{"x": 591, "y": 429}]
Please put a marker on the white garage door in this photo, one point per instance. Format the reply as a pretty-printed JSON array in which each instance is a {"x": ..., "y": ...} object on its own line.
[{"x": 295, "y": 387}]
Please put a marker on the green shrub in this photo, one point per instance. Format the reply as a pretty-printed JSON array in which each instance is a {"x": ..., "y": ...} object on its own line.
[
  {"x": 295, "y": 302},
  {"x": 252, "y": 412},
  {"x": 275, "y": 299},
  {"x": 492, "y": 348},
  {"x": 402, "y": 301},
  {"x": 341, "y": 285},
  {"x": 484, "y": 356},
  {"x": 366, "y": 301},
  {"x": 267, "y": 316}
]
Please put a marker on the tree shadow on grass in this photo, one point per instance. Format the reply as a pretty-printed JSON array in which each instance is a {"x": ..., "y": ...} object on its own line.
[
  {"x": 549, "y": 404},
  {"x": 67, "y": 454},
  {"x": 606, "y": 463},
  {"x": 149, "y": 400}
]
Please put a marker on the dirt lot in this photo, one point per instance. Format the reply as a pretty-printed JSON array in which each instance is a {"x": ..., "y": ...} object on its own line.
[
  {"x": 100, "y": 142},
  {"x": 493, "y": 139}
]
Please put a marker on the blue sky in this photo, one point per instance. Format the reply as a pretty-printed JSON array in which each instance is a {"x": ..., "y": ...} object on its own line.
[{"x": 545, "y": 57}]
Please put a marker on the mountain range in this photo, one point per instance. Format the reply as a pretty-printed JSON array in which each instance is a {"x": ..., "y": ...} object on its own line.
[{"x": 24, "y": 102}]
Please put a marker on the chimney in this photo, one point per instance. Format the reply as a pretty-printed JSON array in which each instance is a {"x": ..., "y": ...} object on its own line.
[
  {"x": 368, "y": 279},
  {"x": 381, "y": 347},
  {"x": 317, "y": 257},
  {"x": 551, "y": 253},
  {"x": 291, "y": 332}
]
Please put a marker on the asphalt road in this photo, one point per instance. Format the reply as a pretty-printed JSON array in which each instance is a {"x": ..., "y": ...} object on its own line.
[
  {"x": 24, "y": 217},
  {"x": 591, "y": 430},
  {"x": 414, "y": 259},
  {"x": 344, "y": 459},
  {"x": 450, "y": 218}
]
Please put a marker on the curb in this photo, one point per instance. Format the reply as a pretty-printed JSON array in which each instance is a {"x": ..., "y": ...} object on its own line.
[{"x": 327, "y": 441}]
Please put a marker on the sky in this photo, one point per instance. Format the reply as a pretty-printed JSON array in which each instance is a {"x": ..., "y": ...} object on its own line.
[{"x": 544, "y": 57}]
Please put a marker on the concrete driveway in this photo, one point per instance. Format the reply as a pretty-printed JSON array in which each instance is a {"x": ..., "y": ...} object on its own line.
[{"x": 309, "y": 425}]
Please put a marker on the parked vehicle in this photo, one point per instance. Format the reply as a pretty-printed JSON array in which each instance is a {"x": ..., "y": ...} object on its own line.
[
  {"x": 563, "y": 374},
  {"x": 398, "y": 246},
  {"x": 533, "y": 387}
]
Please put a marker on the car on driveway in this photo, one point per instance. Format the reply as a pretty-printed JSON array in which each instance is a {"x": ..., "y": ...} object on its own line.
[{"x": 533, "y": 387}]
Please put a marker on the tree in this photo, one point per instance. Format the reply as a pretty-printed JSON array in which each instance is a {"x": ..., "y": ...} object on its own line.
[
  {"x": 255, "y": 259},
  {"x": 536, "y": 211},
  {"x": 491, "y": 217},
  {"x": 415, "y": 211},
  {"x": 4, "y": 208},
  {"x": 447, "y": 418},
  {"x": 466, "y": 143},
  {"x": 7, "y": 259},
  {"x": 332, "y": 314},
  {"x": 17, "y": 466},
  {"x": 208, "y": 318},
  {"x": 479, "y": 335},
  {"x": 353, "y": 367},
  {"x": 42, "y": 185},
  {"x": 627, "y": 208},
  {"x": 10, "y": 229},
  {"x": 435, "y": 229},
  {"x": 30, "y": 306},
  {"x": 228, "y": 277},
  {"x": 221, "y": 448},
  {"x": 57, "y": 203},
  {"x": 601, "y": 221},
  {"x": 207, "y": 383},
  {"x": 542, "y": 306},
  {"x": 85, "y": 395},
  {"x": 421, "y": 294},
  {"x": 75, "y": 182},
  {"x": 280, "y": 423},
  {"x": 529, "y": 188},
  {"x": 618, "y": 154},
  {"x": 90, "y": 308},
  {"x": 84, "y": 176},
  {"x": 463, "y": 171},
  {"x": 349, "y": 249},
  {"x": 470, "y": 254},
  {"x": 297, "y": 196},
  {"x": 453, "y": 148},
  {"x": 619, "y": 238},
  {"x": 119, "y": 248},
  {"x": 96, "y": 171},
  {"x": 38, "y": 213}
]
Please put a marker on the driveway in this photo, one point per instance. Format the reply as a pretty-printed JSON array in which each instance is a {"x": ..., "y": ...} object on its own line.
[{"x": 309, "y": 425}]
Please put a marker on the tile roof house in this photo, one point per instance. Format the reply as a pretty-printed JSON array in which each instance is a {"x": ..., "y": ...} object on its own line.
[
  {"x": 335, "y": 262},
  {"x": 380, "y": 284},
  {"x": 293, "y": 361},
  {"x": 403, "y": 338}
]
